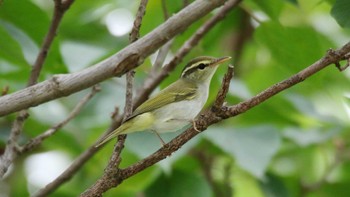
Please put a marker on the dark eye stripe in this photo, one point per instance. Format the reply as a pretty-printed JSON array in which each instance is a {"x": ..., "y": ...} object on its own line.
[{"x": 188, "y": 70}]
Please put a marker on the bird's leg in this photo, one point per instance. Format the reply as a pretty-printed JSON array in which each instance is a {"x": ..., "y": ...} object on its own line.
[
  {"x": 190, "y": 121},
  {"x": 157, "y": 134}
]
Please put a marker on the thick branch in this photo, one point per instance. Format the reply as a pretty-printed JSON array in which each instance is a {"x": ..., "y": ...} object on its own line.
[{"x": 116, "y": 65}]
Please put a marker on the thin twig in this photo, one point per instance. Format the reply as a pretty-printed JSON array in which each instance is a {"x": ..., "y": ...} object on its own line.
[
  {"x": 111, "y": 171},
  {"x": 35, "y": 142},
  {"x": 157, "y": 67},
  {"x": 60, "y": 9},
  {"x": 128, "y": 109},
  {"x": 11, "y": 150},
  {"x": 332, "y": 57},
  {"x": 341, "y": 155},
  {"x": 342, "y": 68},
  {"x": 250, "y": 13},
  {"x": 220, "y": 98},
  {"x": 206, "y": 162},
  {"x": 162, "y": 53},
  {"x": 165, "y": 10},
  {"x": 240, "y": 37},
  {"x": 5, "y": 90},
  {"x": 135, "y": 32}
]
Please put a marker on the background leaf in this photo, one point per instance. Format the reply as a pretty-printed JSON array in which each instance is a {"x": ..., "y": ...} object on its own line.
[
  {"x": 241, "y": 143},
  {"x": 340, "y": 11}
]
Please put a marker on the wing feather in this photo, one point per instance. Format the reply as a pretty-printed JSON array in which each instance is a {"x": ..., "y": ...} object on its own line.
[{"x": 170, "y": 94}]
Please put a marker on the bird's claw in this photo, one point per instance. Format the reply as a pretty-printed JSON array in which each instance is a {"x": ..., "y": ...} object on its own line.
[{"x": 195, "y": 126}]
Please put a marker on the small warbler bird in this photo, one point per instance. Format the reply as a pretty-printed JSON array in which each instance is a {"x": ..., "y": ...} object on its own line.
[{"x": 175, "y": 106}]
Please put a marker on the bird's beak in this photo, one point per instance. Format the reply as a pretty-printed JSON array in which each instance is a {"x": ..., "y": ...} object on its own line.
[{"x": 220, "y": 60}]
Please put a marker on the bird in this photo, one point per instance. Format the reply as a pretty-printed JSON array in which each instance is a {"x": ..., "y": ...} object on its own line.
[{"x": 175, "y": 106}]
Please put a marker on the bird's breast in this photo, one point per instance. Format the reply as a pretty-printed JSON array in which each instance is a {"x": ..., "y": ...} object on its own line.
[{"x": 176, "y": 115}]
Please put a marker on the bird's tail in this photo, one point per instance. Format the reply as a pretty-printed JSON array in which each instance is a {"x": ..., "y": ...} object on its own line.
[{"x": 111, "y": 135}]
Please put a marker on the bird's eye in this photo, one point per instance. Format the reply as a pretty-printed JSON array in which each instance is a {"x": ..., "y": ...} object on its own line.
[{"x": 201, "y": 66}]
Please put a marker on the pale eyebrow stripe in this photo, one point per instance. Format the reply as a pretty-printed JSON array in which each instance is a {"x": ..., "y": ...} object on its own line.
[{"x": 192, "y": 68}]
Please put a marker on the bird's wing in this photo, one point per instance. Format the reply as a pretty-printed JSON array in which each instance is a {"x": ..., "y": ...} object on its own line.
[{"x": 170, "y": 94}]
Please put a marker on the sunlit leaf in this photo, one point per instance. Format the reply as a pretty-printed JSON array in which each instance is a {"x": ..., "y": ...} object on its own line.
[
  {"x": 293, "y": 47},
  {"x": 252, "y": 148}
]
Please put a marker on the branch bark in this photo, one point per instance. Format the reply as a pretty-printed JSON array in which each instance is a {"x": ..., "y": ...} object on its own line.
[{"x": 116, "y": 65}]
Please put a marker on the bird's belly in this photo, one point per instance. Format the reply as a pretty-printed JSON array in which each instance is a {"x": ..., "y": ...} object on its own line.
[{"x": 176, "y": 115}]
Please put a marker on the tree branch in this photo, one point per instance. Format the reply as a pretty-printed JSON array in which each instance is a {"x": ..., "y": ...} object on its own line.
[
  {"x": 60, "y": 9},
  {"x": 116, "y": 65},
  {"x": 213, "y": 116},
  {"x": 332, "y": 57},
  {"x": 220, "y": 98}
]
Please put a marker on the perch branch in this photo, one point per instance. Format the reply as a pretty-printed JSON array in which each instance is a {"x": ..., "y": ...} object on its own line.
[{"x": 213, "y": 116}]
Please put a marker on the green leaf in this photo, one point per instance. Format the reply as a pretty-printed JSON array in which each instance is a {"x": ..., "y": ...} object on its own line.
[
  {"x": 273, "y": 186},
  {"x": 150, "y": 143},
  {"x": 293, "y": 47},
  {"x": 272, "y": 8},
  {"x": 253, "y": 148},
  {"x": 295, "y": 2},
  {"x": 179, "y": 184},
  {"x": 307, "y": 137},
  {"x": 26, "y": 16},
  {"x": 10, "y": 50},
  {"x": 340, "y": 11},
  {"x": 244, "y": 184}
]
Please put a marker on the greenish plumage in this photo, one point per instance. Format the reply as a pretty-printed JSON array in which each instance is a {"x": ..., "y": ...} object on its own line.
[
  {"x": 176, "y": 105},
  {"x": 168, "y": 95}
]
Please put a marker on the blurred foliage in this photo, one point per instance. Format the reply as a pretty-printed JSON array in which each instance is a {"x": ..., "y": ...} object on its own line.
[{"x": 295, "y": 144}]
